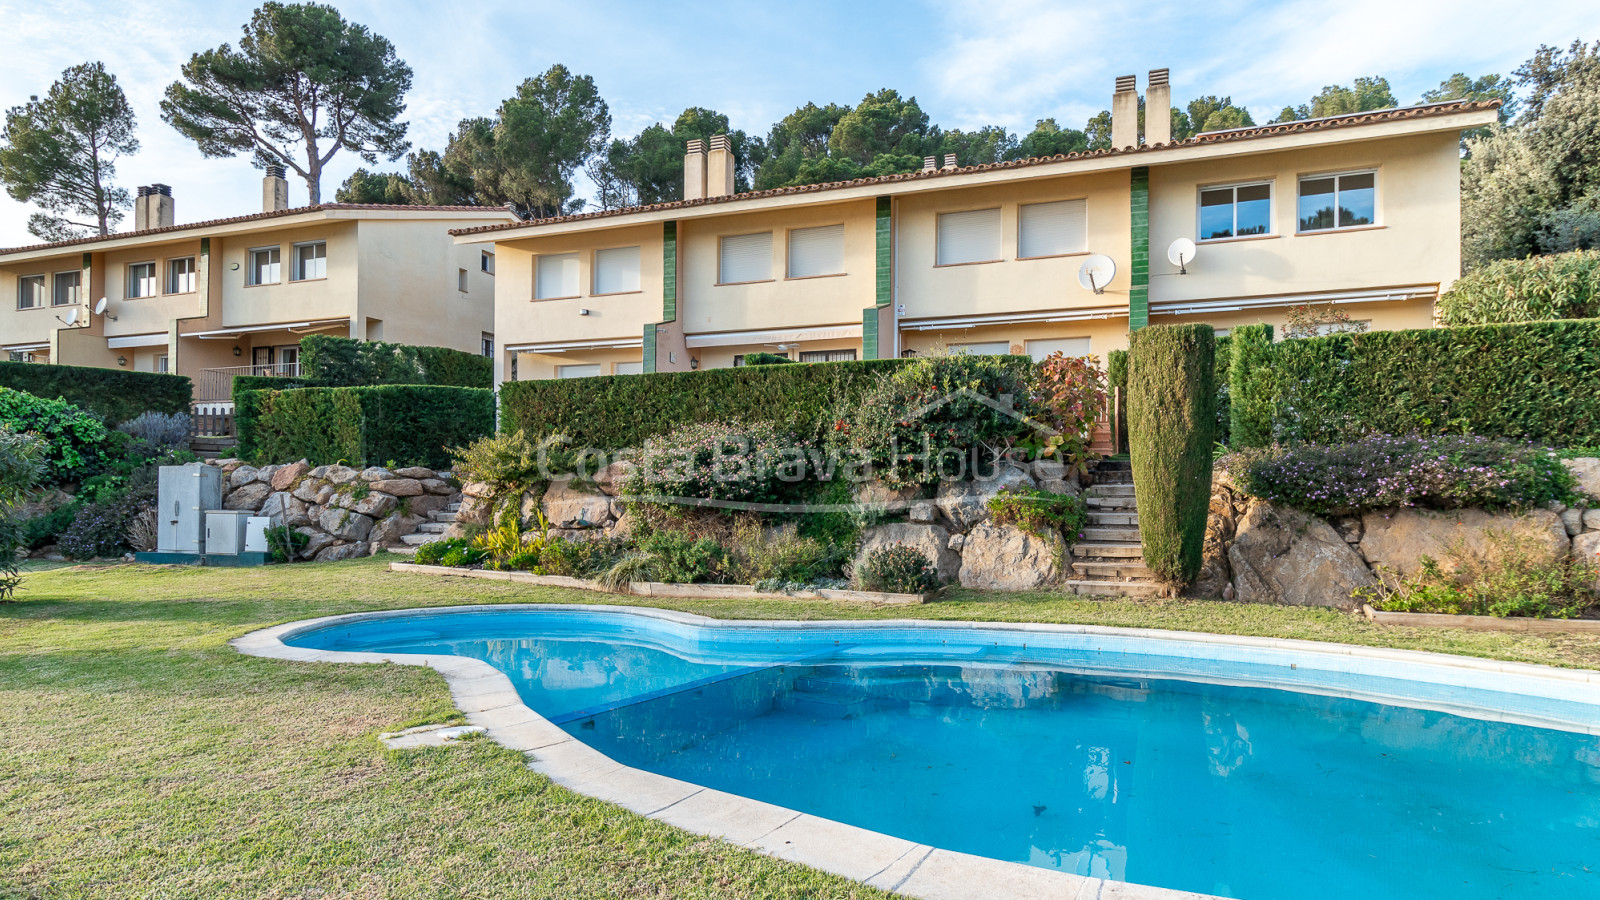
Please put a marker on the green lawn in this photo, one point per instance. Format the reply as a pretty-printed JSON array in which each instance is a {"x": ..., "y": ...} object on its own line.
[{"x": 140, "y": 756}]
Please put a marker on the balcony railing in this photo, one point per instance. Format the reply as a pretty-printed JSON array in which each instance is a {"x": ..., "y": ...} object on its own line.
[{"x": 216, "y": 385}]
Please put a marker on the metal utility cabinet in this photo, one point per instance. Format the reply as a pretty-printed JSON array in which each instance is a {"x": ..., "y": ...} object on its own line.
[
  {"x": 225, "y": 531},
  {"x": 183, "y": 495}
]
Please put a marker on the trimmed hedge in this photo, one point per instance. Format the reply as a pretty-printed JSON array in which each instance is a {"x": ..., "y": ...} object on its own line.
[
  {"x": 114, "y": 394},
  {"x": 1172, "y": 398},
  {"x": 1249, "y": 413},
  {"x": 1530, "y": 381},
  {"x": 409, "y": 425},
  {"x": 1559, "y": 286},
  {"x": 347, "y": 362},
  {"x": 1117, "y": 377},
  {"x": 613, "y": 412}
]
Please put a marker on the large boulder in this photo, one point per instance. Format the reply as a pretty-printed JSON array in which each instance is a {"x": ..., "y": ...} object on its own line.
[
  {"x": 1221, "y": 522},
  {"x": 1054, "y": 476},
  {"x": 1586, "y": 549},
  {"x": 376, "y": 473},
  {"x": 612, "y": 478},
  {"x": 1587, "y": 471},
  {"x": 345, "y": 551},
  {"x": 1006, "y": 558},
  {"x": 932, "y": 540},
  {"x": 249, "y": 497},
  {"x": 437, "y": 486},
  {"x": 569, "y": 507},
  {"x": 400, "y": 487},
  {"x": 1398, "y": 539},
  {"x": 1282, "y": 555},
  {"x": 417, "y": 472},
  {"x": 316, "y": 541},
  {"x": 374, "y": 504},
  {"x": 338, "y": 474},
  {"x": 344, "y": 524},
  {"x": 391, "y": 529},
  {"x": 241, "y": 476},
  {"x": 308, "y": 489},
  {"x": 284, "y": 509},
  {"x": 966, "y": 503},
  {"x": 288, "y": 476}
]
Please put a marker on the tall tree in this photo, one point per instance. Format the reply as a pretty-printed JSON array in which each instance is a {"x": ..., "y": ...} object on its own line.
[
  {"x": 1098, "y": 130},
  {"x": 426, "y": 182},
  {"x": 648, "y": 168},
  {"x": 802, "y": 135},
  {"x": 1209, "y": 113},
  {"x": 303, "y": 85},
  {"x": 1488, "y": 87},
  {"x": 1049, "y": 139},
  {"x": 61, "y": 152},
  {"x": 1367, "y": 93}
]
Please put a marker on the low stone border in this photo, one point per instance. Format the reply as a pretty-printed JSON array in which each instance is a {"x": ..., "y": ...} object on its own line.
[
  {"x": 663, "y": 589},
  {"x": 1483, "y": 623}
]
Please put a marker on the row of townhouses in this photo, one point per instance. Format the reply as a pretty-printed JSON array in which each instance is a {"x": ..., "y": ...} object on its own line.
[{"x": 1064, "y": 253}]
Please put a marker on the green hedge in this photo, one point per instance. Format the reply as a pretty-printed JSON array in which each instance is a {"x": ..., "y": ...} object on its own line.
[
  {"x": 347, "y": 362},
  {"x": 613, "y": 412},
  {"x": 1221, "y": 434},
  {"x": 1559, "y": 286},
  {"x": 115, "y": 394},
  {"x": 1172, "y": 415},
  {"x": 409, "y": 425},
  {"x": 1249, "y": 410},
  {"x": 1531, "y": 381}
]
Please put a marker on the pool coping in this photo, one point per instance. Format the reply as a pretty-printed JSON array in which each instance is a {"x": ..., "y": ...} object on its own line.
[{"x": 488, "y": 699}]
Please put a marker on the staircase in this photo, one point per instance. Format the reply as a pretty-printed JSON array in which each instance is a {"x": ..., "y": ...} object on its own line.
[
  {"x": 439, "y": 521},
  {"x": 1108, "y": 561}
]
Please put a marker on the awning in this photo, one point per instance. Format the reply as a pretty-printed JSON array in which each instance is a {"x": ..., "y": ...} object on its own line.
[
  {"x": 564, "y": 346},
  {"x": 1054, "y": 315},
  {"x": 25, "y": 348},
  {"x": 1239, "y": 304},
  {"x": 788, "y": 336},
  {"x": 253, "y": 329},
  {"x": 137, "y": 340}
]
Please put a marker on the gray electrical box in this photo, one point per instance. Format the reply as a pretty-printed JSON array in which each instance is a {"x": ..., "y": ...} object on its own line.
[
  {"x": 183, "y": 495},
  {"x": 225, "y": 531}
]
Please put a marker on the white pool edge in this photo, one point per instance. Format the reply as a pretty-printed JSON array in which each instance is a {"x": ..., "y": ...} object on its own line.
[{"x": 488, "y": 699}]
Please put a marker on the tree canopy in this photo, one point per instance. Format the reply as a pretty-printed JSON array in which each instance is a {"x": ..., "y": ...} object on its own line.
[
  {"x": 1368, "y": 93},
  {"x": 61, "y": 153},
  {"x": 303, "y": 85}
]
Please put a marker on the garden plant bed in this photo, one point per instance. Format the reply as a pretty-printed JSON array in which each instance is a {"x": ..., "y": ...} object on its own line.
[
  {"x": 1482, "y": 623},
  {"x": 663, "y": 589}
]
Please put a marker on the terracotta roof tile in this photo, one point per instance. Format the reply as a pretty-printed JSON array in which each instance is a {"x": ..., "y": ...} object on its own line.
[{"x": 1430, "y": 110}]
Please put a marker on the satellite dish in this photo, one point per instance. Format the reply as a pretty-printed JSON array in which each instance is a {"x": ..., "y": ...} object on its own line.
[
  {"x": 1097, "y": 272},
  {"x": 72, "y": 316},
  {"x": 1180, "y": 253},
  {"x": 100, "y": 307}
]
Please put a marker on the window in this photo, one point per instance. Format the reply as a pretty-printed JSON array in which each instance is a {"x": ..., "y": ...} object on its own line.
[
  {"x": 1052, "y": 229},
  {"x": 161, "y": 363},
  {"x": 616, "y": 271},
  {"x": 557, "y": 277},
  {"x": 1069, "y": 347},
  {"x": 289, "y": 360},
  {"x": 588, "y": 371},
  {"x": 486, "y": 344},
  {"x": 1235, "y": 210},
  {"x": 628, "y": 368},
  {"x": 746, "y": 257},
  {"x": 310, "y": 261},
  {"x": 262, "y": 358},
  {"x": 815, "y": 356},
  {"x": 486, "y": 263},
  {"x": 461, "y": 280},
  {"x": 969, "y": 237},
  {"x": 68, "y": 288},
  {"x": 180, "y": 275},
  {"x": 30, "y": 292},
  {"x": 264, "y": 266},
  {"x": 141, "y": 280},
  {"x": 1348, "y": 200},
  {"x": 987, "y": 348},
  {"x": 816, "y": 251}
]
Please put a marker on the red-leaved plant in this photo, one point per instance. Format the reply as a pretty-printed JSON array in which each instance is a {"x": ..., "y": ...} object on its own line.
[{"x": 1069, "y": 396}]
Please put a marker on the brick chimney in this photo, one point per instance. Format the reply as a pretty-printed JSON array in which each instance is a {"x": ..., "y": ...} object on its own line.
[
  {"x": 719, "y": 167},
  {"x": 1125, "y": 113},
  {"x": 153, "y": 208},
  {"x": 694, "y": 171},
  {"x": 1158, "y": 108},
  {"x": 930, "y": 163},
  {"x": 949, "y": 161},
  {"x": 274, "y": 190}
]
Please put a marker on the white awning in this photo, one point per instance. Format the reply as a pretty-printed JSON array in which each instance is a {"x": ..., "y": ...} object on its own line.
[
  {"x": 1054, "y": 315},
  {"x": 25, "y": 348},
  {"x": 564, "y": 346},
  {"x": 1239, "y": 304},
  {"x": 788, "y": 336},
  {"x": 137, "y": 340},
  {"x": 221, "y": 333}
]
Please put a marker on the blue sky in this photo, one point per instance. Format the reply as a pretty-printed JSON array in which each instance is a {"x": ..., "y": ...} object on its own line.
[{"x": 967, "y": 63}]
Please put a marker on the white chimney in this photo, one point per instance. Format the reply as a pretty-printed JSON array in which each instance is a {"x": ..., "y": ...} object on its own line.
[
  {"x": 1158, "y": 108},
  {"x": 274, "y": 190},
  {"x": 1125, "y": 113},
  {"x": 719, "y": 167},
  {"x": 929, "y": 163},
  {"x": 694, "y": 171},
  {"x": 153, "y": 208},
  {"x": 949, "y": 160}
]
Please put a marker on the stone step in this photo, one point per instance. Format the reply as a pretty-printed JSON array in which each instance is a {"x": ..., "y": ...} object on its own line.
[
  {"x": 1110, "y": 490},
  {"x": 454, "y": 507},
  {"x": 441, "y": 516},
  {"x": 433, "y": 527},
  {"x": 1101, "y": 550},
  {"x": 1114, "y": 465},
  {"x": 1114, "y": 478},
  {"x": 403, "y": 551},
  {"x": 1110, "y": 535},
  {"x": 1114, "y": 588},
  {"x": 1094, "y": 502},
  {"x": 1114, "y": 570},
  {"x": 1129, "y": 517},
  {"x": 415, "y": 540}
]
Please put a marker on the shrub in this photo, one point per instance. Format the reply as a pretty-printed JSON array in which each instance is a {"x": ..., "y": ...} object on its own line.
[
  {"x": 678, "y": 559},
  {"x": 21, "y": 468},
  {"x": 1069, "y": 397},
  {"x": 114, "y": 395},
  {"x": 144, "y": 531},
  {"x": 1516, "y": 577},
  {"x": 897, "y": 569},
  {"x": 782, "y": 556},
  {"x": 1440, "y": 472},
  {"x": 1559, "y": 286},
  {"x": 433, "y": 552},
  {"x": 585, "y": 558},
  {"x": 154, "y": 434},
  {"x": 507, "y": 546},
  {"x": 411, "y": 425},
  {"x": 48, "y": 528},
  {"x": 727, "y": 462},
  {"x": 1039, "y": 511},
  {"x": 100, "y": 527},
  {"x": 462, "y": 557},
  {"x": 75, "y": 440},
  {"x": 346, "y": 362},
  {"x": 1250, "y": 402},
  {"x": 285, "y": 544},
  {"x": 765, "y": 359},
  {"x": 1171, "y": 417}
]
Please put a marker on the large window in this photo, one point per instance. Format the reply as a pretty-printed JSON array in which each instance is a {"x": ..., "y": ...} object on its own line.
[
  {"x": 1347, "y": 200},
  {"x": 264, "y": 265},
  {"x": 745, "y": 258},
  {"x": 68, "y": 288},
  {"x": 816, "y": 251},
  {"x": 616, "y": 271},
  {"x": 142, "y": 280},
  {"x": 1235, "y": 210},
  {"x": 310, "y": 261},
  {"x": 180, "y": 275},
  {"x": 557, "y": 276},
  {"x": 816, "y": 356},
  {"x": 30, "y": 292},
  {"x": 969, "y": 237},
  {"x": 1052, "y": 229}
]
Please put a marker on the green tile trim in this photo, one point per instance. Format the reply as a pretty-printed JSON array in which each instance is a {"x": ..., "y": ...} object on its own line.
[
  {"x": 649, "y": 347},
  {"x": 884, "y": 242},
  {"x": 669, "y": 272},
  {"x": 869, "y": 333},
  {"x": 1139, "y": 274}
]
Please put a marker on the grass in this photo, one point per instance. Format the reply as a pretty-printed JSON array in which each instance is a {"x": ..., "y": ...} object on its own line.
[{"x": 140, "y": 756}]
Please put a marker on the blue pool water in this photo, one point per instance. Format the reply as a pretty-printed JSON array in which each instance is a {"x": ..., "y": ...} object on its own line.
[{"x": 1129, "y": 759}]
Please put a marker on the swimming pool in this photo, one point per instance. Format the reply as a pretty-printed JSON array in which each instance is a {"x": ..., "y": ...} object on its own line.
[{"x": 1228, "y": 766}]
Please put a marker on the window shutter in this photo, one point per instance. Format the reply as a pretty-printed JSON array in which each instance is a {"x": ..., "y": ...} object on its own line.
[
  {"x": 987, "y": 348},
  {"x": 1069, "y": 347},
  {"x": 628, "y": 368},
  {"x": 1052, "y": 229},
  {"x": 616, "y": 271},
  {"x": 579, "y": 371},
  {"x": 966, "y": 237},
  {"x": 746, "y": 257},
  {"x": 558, "y": 276},
  {"x": 816, "y": 251}
]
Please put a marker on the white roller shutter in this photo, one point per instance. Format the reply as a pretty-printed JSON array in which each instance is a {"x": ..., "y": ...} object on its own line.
[
  {"x": 988, "y": 348},
  {"x": 966, "y": 237},
  {"x": 580, "y": 371},
  {"x": 1052, "y": 229},
  {"x": 616, "y": 271},
  {"x": 557, "y": 277},
  {"x": 816, "y": 251},
  {"x": 746, "y": 257},
  {"x": 627, "y": 368},
  {"x": 1078, "y": 346}
]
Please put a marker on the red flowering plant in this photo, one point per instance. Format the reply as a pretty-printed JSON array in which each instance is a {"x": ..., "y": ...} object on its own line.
[{"x": 1069, "y": 400}]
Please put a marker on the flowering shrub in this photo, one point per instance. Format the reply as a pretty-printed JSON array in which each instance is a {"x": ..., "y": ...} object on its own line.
[
  {"x": 1039, "y": 512},
  {"x": 897, "y": 569},
  {"x": 1441, "y": 472},
  {"x": 100, "y": 528},
  {"x": 1069, "y": 396},
  {"x": 76, "y": 441},
  {"x": 753, "y": 463}
]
